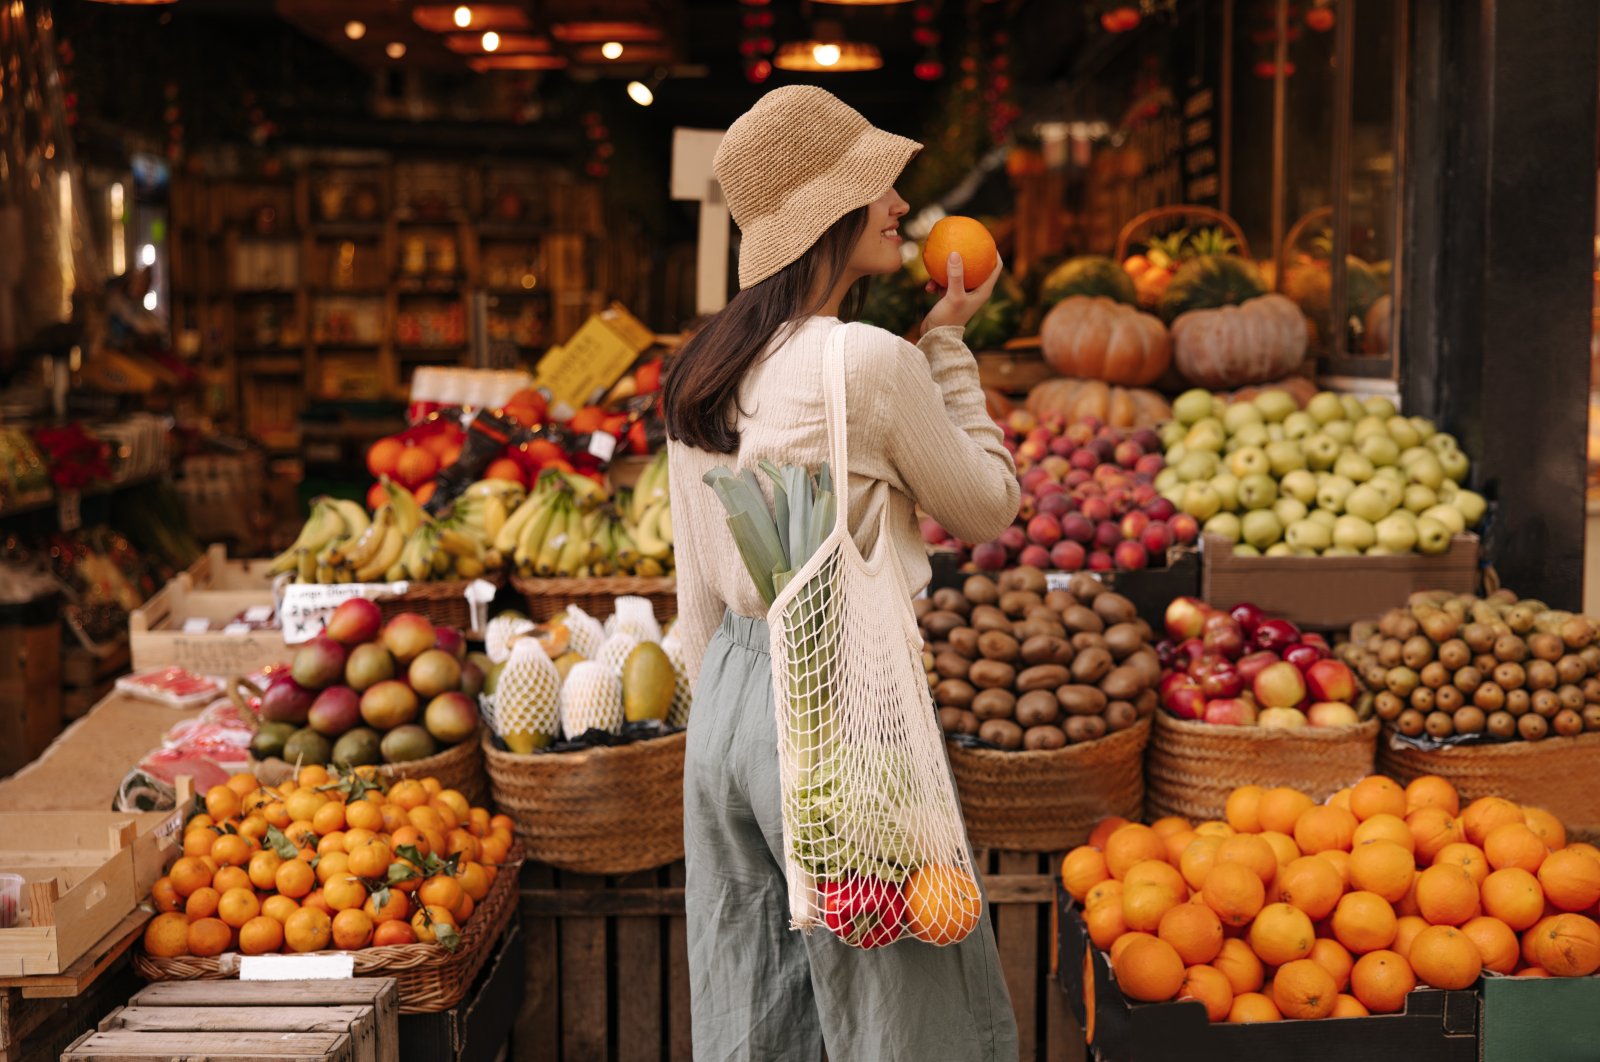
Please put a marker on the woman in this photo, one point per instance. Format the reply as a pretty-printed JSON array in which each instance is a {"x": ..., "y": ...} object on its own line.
[{"x": 810, "y": 184}]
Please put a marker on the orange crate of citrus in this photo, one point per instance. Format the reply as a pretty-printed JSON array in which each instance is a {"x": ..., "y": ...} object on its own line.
[
  {"x": 1286, "y": 909},
  {"x": 326, "y": 861}
]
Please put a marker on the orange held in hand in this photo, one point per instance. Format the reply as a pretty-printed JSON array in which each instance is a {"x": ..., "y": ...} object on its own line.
[{"x": 969, "y": 239}]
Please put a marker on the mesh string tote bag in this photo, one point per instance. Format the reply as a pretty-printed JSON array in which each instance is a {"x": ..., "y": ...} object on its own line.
[{"x": 874, "y": 844}]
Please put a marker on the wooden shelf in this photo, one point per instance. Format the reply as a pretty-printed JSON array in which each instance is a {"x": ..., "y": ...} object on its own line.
[
  {"x": 93, "y": 491},
  {"x": 279, "y": 366}
]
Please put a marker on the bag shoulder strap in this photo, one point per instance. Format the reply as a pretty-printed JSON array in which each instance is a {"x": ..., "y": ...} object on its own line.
[{"x": 834, "y": 376}]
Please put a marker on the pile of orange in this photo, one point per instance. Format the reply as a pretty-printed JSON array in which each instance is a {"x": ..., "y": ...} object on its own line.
[
  {"x": 1290, "y": 909},
  {"x": 318, "y": 862}
]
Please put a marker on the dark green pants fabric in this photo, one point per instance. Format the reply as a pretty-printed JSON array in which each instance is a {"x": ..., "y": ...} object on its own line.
[{"x": 763, "y": 992}]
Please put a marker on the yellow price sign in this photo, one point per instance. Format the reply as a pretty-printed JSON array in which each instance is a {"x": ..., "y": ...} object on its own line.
[{"x": 582, "y": 370}]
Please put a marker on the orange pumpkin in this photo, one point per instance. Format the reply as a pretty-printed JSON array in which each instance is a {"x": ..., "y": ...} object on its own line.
[
  {"x": 1256, "y": 341},
  {"x": 1095, "y": 338},
  {"x": 1120, "y": 407}
]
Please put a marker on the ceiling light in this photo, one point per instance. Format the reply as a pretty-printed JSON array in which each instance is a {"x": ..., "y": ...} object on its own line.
[
  {"x": 395, "y": 50},
  {"x": 611, "y": 49},
  {"x": 629, "y": 31},
  {"x": 498, "y": 43},
  {"x": 491, "y": 41},
  {"x": 355, "y": 29},
  {"x": 147, "y": 255},
  {"x": 449, "y": 18},
  {"x": 463, "y": 16},
  {"x": 827, "y": 56},
  {"x": 502, "y": 61},
  {"x": 640, "y": 93}
]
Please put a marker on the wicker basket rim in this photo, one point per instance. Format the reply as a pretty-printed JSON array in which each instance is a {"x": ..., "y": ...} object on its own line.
[
  {"x": 582, "y": 757},
  {"x": 1042, "y": 757},
  {"x": 611, "y": 584},
  {"x": 1499, "y": 749},
  {"x": 1327, "y": 734},
  {"x": 461, "y": 750},
  {"x": 434, "y": 591}
]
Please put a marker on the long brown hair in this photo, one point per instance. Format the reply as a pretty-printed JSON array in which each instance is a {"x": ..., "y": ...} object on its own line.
[{"x": 700, "y": 391}]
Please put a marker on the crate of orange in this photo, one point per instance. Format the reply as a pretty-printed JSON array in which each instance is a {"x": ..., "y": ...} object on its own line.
[
  {"x": 1386, "y": 903},
  {"x": 407, "y": 875}
]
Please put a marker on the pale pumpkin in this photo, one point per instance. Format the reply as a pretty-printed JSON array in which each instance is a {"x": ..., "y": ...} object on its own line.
[
  {"x": 1260, "y": 340},
  {"x": 1120, "y": 407},
  {"x": 1095, "y": 338}
]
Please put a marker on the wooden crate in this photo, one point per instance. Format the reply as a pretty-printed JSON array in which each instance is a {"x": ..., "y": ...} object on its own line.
[
  {"x": 30, "y": 681},
  {"x": 84, "y": 873},
  {"x": 156, "y": 637},
  {"x": 366, "y": 1009},
  {"x": 588, "y": 936},
  {"x": 126, "y": 1045},
  {"x": 215, "y": 570}
]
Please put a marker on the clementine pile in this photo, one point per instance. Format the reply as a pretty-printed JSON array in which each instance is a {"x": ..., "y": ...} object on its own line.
[{"x": 1293, "y": 910}]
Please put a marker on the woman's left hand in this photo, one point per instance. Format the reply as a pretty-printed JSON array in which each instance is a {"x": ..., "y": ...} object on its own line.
[{"x": 960, "y": 305}]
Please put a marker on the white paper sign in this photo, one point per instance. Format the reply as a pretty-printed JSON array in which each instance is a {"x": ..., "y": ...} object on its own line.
[
  {"x": 196, "y": 625},
  {"x": 1060, "y": 580},
  {"x": 339, "y": 966},
  {"x": 307, "y": 606},
  {"x": 258, "y": 613},
  {"x": 236, "y": 628}
]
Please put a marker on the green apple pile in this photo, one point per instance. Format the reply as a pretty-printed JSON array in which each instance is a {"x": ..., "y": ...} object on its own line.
[{"x": 1341, "y": 477}]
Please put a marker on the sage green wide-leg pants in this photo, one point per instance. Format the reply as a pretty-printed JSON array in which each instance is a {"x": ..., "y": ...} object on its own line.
[{"x": 762, "y": 992}]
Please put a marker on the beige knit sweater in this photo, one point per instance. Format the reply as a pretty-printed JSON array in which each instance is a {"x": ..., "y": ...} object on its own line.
[{"x": 919, "y": 435}]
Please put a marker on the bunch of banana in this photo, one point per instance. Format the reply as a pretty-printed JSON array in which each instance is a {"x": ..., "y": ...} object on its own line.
[{"x": 335, "y": 526}]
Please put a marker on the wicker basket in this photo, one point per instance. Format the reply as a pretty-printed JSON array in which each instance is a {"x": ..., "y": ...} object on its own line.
[
  {"x": 443, "y": 604},
  {"x": 598, "y": 811},
  {"x": 1192, "y": 767},
  {"x": 430, "y": 978},
  {"x": 597, "y": 596},
  {"x": 1049, "y": 801},
  {"x": 1554, "y": 774},
  {"x": 459, "y": 767},
  {"x": 1137, "y": 224}
]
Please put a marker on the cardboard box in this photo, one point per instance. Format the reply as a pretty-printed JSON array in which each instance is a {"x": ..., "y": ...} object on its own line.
[
  {"x": 1328, "y": 593},
  {"x": 1435, "y": 1027},
  {"x": 476, "y": 1029},
  {"x": 83, "y": 873},
  {"x": 1540, "y": 1019}
]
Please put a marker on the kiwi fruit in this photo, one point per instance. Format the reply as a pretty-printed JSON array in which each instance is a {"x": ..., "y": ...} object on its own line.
[
  {"x": 992, "y": 674},
  {"x": 1038, "y": 708},
  {"x": 980, "y": 590},
  {"x": 1122, "y": 683},
  {"x": 955, "y": 693},
  {"x": 1059, "y": 600},
  {"x": 1002, "y": 733},
  {"x": 1082, "y": 700},
  {"x": 1043, "y": 738},
  {"x": 921, "y": 607},
  {"x": 1092, "y": 666},
  {"x": 952, "y": 665},
  {"x": 998, "y": 645},
  {"x": 989, "y": 618},
  {"x": 1147, "y": 703},
  {"x": 1018, "y": 602},
  {"x": 950, "y": 720},
  {"x": 1120, "y": 715},
  {"x": 1090, "y": 727},
  {"x": 1077, "y": 618},
  {"x": 1030, "y": 580},
  {"x": 1046, "y": 649},
  {"x": 994, "y": 704},
  {"x": 1114, "y": 608},
  {"x": 1042, "y": 677},
  {"x": 948, "y": 600},
  {"x": 969, "y": 723},
  {"x": 1084, "y": 587},
  {"x": 964, "y": 640},
  {"x": 1123, "y": 639},
  {"x": 1085, "y": 640}
]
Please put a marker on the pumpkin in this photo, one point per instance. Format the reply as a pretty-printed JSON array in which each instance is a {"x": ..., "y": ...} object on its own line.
[
  {"x": 997, "y": 320},
  {"x": 1310, "y": 285},
  {"x": 1208, "y": 282},
  {"x": 1097, "y": 339},
  {"x": 1120, "y": 407},
  {"x": 1089, "y": 274},
  {"x": 1379, "y": 321},
  {"x": 1262, "y": 340}
]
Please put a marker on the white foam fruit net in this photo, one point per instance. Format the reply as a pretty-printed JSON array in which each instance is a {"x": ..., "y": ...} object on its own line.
[
  {"x": 501, "y": 632},
  {"x": 526, "y": 715},
  {"x": 875, "y": 847},
  {"x": 591, "y": 699},
  {"x": 588, "y": 634},
  {"x": 682, "y": 693},
  {"x": 635, "y": 616},
  {"x": 614, "y": 653}
]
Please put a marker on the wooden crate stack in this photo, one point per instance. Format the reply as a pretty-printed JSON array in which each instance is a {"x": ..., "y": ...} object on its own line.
[{"x": 326, "y": 1021}]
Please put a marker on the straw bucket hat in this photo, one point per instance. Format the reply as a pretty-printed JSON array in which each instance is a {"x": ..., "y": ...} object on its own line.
[{"x": 794, "y": 164}]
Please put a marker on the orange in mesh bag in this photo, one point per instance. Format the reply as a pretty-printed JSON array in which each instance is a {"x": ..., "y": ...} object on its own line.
[{"x": 874, "y": 843}]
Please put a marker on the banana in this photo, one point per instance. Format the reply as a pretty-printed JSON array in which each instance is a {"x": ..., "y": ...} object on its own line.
[
  {"x": 460, "y": 544},
  {"x": 324, "y": 524},
  {"x": 407, "y": 510},
  {"x": 469, "y": 567},
  {"x": 535, "y": 529},
  {"x": 625, "y": 550},
  {"x": 588, "y": 493},
  {"x": 650, "y": 568},
  {"x": 573, "y": 552},
  {"x": 327, "y": 554},
  {"x": 665, "y": 528},
  {"x": 533, "y": 508},
  {"x": 359, "y": 553},
  {"x": 651, "y": 488},
  {"x": 325, "y": 574},
  {"x": 354, "y": 516},
  {"x": 555, "y": 541},
  {"x": 306, "y": 566},
  {"x": 384, "y": 557},
  {"x": 494, "y": 516},
  {"x": 441, "y": 563},
  {"x": 648, "y": 536},
  {"x": 395, "y": 573},
  {"x": 415, "y": 556},
  {"x": 489, "y": 488}
]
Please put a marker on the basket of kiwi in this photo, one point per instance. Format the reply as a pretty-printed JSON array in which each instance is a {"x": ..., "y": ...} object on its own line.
[
  {"x": 1498, "y": 695},
  {"x": 1046, "y": 698}
]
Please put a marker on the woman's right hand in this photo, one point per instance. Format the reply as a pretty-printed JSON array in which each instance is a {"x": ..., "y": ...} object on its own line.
[{"x": 960, "y": 305}]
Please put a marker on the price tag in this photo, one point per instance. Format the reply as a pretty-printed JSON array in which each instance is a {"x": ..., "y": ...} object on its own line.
[
  {"x": 69, "y": 511},
  {"x": 307, "y": 606},
  {"x": 236, "y": 628},
  {"x": 1061, "y": 580},
  {"x": 258, "y": 614},
  {"x": 339, "y": 966},
  {"x": 602, "y": 445}
]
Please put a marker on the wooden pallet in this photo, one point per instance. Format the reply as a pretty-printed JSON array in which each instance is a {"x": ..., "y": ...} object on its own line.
[{"x": 588, "y": 935}]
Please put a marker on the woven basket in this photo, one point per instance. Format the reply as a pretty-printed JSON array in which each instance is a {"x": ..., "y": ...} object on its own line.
[
  {"x": 1555, "y": 774},
  {"x": 598, "y": 811},
  {"x": 1192, "y": 767},
  {"x": 597, "y": 596},
  {"x": 459, "y": 767},
  {"x": 443, "y": 604},
  {"x": 430, "y": 978},
  {"x": 1049, "y": 801}
]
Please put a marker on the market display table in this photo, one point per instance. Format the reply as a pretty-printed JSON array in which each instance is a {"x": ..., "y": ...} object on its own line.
[{"x": 83, "y": 767}]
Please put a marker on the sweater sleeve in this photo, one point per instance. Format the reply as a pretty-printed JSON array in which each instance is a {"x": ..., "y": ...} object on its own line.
[
  {"x": 699, "y": 608},
  {"x": 937, "y": 434}
]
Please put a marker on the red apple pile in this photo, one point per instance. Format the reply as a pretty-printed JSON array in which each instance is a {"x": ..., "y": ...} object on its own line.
[
  {"x": 367, "y": 692},
  {"x": 1089, "y": 501},
  {"x": 1243, "y": 668}
]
